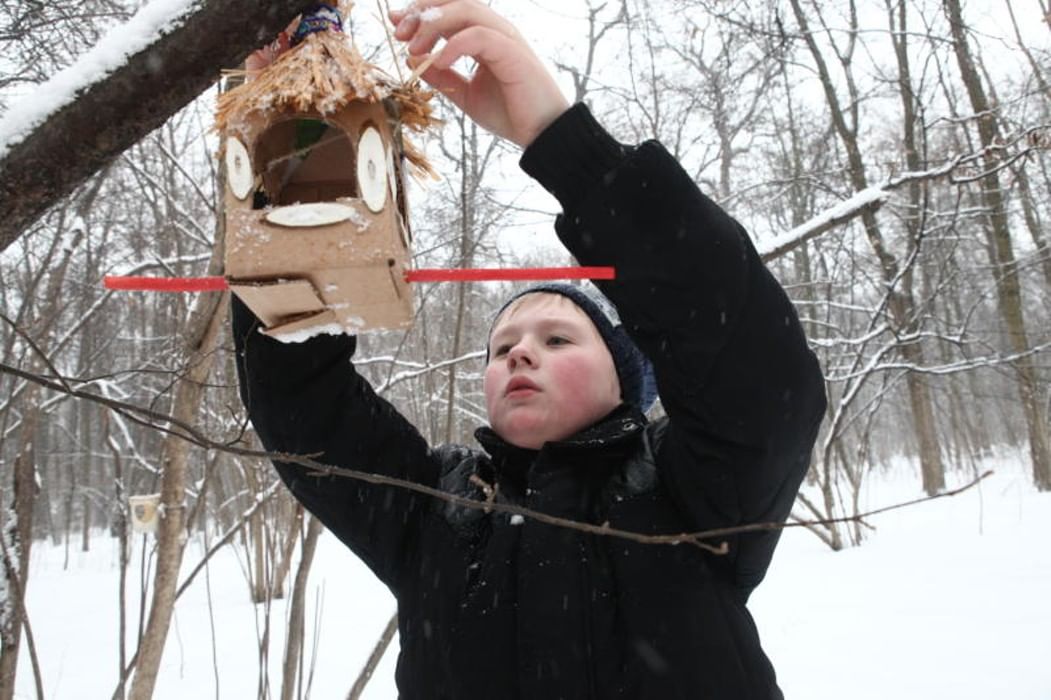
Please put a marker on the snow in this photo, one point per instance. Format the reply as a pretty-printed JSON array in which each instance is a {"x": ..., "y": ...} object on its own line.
[
  {"x": 305, "y": 334},
  {"x": 431, "y": 14},
  {"x": 855, "y": 202},
  {"x": 945, "y": 599},
  {"x": 153, "y": 21}
]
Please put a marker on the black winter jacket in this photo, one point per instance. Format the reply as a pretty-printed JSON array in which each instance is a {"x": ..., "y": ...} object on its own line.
[{"x": 491, "y": 607}]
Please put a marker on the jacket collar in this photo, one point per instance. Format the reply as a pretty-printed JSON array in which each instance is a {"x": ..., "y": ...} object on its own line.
[{"x": 619, "y": 426}]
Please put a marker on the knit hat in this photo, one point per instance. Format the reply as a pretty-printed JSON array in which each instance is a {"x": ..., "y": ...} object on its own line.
[{"x": 638, "y": 386}]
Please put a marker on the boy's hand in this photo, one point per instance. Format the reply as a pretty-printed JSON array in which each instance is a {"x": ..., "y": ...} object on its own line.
[
  {"x": 510, "y": 93},
  {"x": 261, "y": 58}
]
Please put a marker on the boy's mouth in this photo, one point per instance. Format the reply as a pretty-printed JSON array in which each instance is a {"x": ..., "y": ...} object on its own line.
[{"x": 520, "y": 385}]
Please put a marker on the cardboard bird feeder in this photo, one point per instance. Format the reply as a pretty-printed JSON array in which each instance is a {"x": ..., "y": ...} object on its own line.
[{"x": 317, "y": 221}]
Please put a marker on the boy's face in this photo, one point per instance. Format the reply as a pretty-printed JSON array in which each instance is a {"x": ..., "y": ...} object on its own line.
[{"x": 550, "y": 374}]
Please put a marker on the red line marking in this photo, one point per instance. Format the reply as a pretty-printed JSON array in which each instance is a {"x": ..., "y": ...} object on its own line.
[
  {"x": 165, "y": 284},
  {"x": 507, "y": 274},
  {"x": 510, "y": 274}
]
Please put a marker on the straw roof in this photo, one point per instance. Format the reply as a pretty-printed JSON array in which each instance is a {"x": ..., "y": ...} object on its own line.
[{"x": 323, "y": 74}]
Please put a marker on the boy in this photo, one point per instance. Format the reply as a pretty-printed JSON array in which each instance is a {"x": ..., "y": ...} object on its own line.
[{"x": 492, "y": 606}]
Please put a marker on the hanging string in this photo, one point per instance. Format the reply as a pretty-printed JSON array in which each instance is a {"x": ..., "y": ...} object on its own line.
[{"x": 317, "y": 18}]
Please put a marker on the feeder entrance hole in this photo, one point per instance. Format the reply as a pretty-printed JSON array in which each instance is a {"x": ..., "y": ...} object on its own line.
[{"x": 305, "y": 161}]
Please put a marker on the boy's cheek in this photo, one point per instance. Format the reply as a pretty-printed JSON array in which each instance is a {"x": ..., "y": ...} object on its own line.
[{"x": 491, "y": 384}]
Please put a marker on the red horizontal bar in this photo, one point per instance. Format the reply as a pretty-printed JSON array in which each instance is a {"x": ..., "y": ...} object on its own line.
[
  {"x": 165, "y": 284},
  {"x": 218, "y": 284},
  {"x": 477, "y": 274}
]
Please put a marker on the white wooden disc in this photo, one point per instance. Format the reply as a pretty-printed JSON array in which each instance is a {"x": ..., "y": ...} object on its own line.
[
  {"x": 238, "y": 168},
  {"x": 312, "y": 214},
  {"x": 372, "y": 161}
]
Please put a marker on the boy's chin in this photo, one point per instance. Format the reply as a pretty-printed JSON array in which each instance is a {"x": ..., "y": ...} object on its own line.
[{"x": 529, "y": 435}]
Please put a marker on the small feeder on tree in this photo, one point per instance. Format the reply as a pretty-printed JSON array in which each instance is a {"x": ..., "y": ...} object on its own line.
[
  {"x": 144, "y": 510},
  {"x": 317, "y": 225}
]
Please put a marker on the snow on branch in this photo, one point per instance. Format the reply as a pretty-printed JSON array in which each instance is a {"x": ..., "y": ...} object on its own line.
[
  {"x": 149, "y": 24},
  {"x": 870, "y": 198},
  {"x": 961, "y": 170},
  {"x": 136, "y": 77}
]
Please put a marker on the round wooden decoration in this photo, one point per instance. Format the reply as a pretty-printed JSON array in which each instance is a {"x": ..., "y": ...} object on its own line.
[
  {"x": 313, "y": 214},
  {"x": 238, "y": 168},
  {"x": 372, "y": 161}
]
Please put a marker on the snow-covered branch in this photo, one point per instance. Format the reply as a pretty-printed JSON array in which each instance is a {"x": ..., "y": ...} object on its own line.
[
  {"x": 872, "y": 198},
  {"x": 136, "y": 77}
]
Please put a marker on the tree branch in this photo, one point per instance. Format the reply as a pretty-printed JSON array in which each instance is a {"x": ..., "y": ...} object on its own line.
[
  {"x": 111, "y": 113},
  {"x": 698, "y": 539}
]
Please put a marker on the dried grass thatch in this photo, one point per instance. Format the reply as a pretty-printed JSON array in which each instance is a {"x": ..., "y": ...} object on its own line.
[{"x": 322, "y": 75}]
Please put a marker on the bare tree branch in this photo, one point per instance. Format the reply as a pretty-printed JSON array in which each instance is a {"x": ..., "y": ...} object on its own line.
[
  {"x": 698, "y": 539},
  {"x": 118, "y": 110}
]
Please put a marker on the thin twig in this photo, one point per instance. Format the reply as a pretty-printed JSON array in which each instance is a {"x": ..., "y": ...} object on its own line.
[
  {"x": 384, "y": 14},
  {"x": 374, "y": 658},
  {"x": 192, "y": 435},
  {"x": 422, "y": 68}
]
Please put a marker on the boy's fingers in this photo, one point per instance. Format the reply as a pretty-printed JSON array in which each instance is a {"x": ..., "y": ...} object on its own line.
[
  {"x": 446, "y": 81},
  {"x": 413, "y": 9},
  {"x": 486, "y": 46},
  {"x": 424, "y": 29},
  {"x": 406, "y": 26}
]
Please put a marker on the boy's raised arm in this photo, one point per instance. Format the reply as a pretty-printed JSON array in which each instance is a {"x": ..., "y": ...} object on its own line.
[
  {"x": 306, "y": 399},
  {"x": 743, "y": 392}
]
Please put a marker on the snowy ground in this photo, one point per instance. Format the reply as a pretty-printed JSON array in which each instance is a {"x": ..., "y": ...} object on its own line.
[{"x": 950, "y": 599}]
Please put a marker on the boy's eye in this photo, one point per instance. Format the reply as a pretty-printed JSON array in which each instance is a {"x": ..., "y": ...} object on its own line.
[
  {"x": 557, "y": 340},
  {"x": 501, "y": 350}
]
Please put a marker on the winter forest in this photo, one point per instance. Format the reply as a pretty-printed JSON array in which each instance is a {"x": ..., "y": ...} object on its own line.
[{"x": 890, "y": 160}]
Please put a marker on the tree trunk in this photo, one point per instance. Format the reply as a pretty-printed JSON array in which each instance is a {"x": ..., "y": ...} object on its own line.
[
  {"x": 297, "y": 614},
  {"x": 901, "y": 304},
  {"x": 1008, "y": 287},
  {"x": 18, "y": 540},
  {"x": 206, "y": 319},
  {"x": 118, "y": 110},
  {"x": 469, "y": 177}
]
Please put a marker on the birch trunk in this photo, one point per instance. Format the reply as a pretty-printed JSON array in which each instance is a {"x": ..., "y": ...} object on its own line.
[{"x": 206, "y": 318}]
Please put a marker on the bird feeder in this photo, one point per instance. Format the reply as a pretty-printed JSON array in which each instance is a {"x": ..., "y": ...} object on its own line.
[
  {"x": 144, "y": 511},
  {"x": 317, "y": 223}
]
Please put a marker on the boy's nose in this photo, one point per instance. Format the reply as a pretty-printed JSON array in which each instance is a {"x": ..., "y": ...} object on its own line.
[{"x": 521, "y": 354}]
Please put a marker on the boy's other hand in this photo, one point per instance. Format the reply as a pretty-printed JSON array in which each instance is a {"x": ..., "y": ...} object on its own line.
[
  {"x": 510, "y": 93},
  {"x": 261, "y": 58}
]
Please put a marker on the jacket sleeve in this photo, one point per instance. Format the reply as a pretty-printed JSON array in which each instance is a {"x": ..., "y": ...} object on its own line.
[
  {"x": 743, "y": 392},
  {"x": 307, "y": 399}
]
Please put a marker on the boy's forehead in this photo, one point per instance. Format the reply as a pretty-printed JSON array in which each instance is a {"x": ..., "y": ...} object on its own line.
[{"x": 535, "y": 300}]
